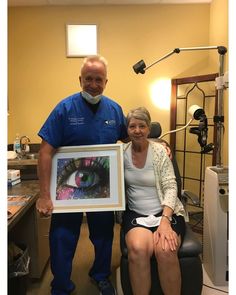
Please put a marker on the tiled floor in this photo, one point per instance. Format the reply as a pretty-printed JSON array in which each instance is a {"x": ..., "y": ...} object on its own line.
[
  {"x": 210, "y": 289},
  {"x": 82, "y": 263}
]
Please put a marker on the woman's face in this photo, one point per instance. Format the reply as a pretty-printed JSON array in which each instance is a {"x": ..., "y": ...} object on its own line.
[{"x": 138, "y": 130}]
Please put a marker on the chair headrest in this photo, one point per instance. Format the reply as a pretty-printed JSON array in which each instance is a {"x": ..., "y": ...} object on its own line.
[{"x": 156, "y": 130}]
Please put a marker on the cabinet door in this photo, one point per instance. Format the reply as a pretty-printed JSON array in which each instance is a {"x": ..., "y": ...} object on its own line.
[
  {"x": 43, "y": 225},
  {"x": 32, "y": 230}
]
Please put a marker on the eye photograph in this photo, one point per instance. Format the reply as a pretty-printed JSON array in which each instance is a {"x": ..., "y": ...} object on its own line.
[{"x": 83, "y": 178}]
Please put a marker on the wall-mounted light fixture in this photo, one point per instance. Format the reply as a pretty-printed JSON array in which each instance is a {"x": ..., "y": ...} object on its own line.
[
  {"x": 81, "y": 40},
  {"x": 160, "y": 92}
]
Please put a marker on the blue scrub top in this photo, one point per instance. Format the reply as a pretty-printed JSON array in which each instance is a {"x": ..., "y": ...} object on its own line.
[{"x": 72, "y": 122}]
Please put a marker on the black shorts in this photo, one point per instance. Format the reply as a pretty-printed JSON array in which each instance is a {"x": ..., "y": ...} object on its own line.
[{"x": 177, "y": 224}]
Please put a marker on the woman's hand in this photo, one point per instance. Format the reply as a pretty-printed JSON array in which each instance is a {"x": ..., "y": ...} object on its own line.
[{"x": 166, "y": 236}]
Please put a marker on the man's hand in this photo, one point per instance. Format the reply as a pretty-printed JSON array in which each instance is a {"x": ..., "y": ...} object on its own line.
[
  {"x": 44, "y": 206},
  {"x": 168, "y": 150},
  {"x": 44, "y": 203}
]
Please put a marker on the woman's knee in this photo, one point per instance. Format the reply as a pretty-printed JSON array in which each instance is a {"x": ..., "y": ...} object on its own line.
[
  {"x": 138, "y": 249},
  {"x": 166, "y": 255}
]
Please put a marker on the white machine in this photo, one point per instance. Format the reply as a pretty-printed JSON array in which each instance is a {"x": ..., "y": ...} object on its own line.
[{"x": 215, "y": 229}]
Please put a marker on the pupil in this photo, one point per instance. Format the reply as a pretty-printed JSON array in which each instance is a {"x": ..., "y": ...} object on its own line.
[{"x": 84, "y": 178}]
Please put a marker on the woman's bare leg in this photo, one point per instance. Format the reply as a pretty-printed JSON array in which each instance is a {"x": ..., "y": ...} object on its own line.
[
  {"x": 140, "y": 249},
  {"x": 169, "y": 270}
]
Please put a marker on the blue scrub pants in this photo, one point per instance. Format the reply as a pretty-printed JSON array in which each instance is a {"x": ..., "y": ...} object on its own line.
[{"x": 63, "y": 238}]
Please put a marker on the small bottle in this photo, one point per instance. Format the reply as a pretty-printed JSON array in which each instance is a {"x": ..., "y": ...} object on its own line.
[{"x": 16, "y": 144}]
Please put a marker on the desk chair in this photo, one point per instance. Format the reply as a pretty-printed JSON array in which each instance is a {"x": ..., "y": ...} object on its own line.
[{"x": 189, "y": 252}]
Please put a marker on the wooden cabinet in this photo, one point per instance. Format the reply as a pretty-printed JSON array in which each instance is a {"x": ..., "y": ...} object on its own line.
[{"x": 32, "y": 230}]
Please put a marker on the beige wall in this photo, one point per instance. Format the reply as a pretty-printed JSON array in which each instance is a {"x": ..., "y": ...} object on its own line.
[{"x": 40, "y": 75}]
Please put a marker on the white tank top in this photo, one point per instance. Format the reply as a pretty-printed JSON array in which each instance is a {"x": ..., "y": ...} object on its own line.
[{"x": 140, "y": 185}]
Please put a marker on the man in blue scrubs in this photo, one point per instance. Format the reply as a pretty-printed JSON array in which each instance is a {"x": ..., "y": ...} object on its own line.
[{"x": 84, "y": 118}]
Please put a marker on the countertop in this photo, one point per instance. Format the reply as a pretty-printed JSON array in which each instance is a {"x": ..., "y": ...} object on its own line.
[
  {"x": 22, "y": 162},
  {"x": 27, "y": 187}
]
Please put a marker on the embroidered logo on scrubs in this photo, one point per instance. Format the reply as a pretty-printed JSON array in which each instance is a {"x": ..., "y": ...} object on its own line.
[
  {"x": 110, "y": 122},
  {"x": 76, "y": 121}
]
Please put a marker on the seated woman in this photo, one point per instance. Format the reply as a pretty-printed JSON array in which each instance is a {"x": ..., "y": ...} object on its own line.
[{"x": 153, "y": 221}]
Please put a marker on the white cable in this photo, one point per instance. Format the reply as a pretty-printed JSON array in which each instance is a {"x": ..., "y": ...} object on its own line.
[{"x": 176, "y": 130}]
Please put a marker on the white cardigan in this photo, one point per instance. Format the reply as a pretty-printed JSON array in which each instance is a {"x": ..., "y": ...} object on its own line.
[{"x": 165, "y": 178}]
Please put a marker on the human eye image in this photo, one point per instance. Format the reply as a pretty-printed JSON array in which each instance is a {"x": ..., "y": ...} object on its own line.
[{"x": 83, "y": 178}]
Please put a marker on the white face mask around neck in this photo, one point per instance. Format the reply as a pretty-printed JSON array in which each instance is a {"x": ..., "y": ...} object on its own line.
[
  {"x": 91, "y": 99},
  {"x": 148, "y": 221}
]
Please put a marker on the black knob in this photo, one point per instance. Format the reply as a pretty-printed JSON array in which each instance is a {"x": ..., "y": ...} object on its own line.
[{"x": 222, "y": 191}]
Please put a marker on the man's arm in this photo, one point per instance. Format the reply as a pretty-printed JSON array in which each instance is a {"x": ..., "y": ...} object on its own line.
[{"x": 44, "y": 203}]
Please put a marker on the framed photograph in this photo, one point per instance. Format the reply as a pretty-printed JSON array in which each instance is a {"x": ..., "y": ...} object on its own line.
[
  {"x": 81, "y": 40},
  {"x": 88, "y": 178}
]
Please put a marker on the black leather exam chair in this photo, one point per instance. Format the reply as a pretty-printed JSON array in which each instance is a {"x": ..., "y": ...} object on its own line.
[{"x": 189, "y": 252}]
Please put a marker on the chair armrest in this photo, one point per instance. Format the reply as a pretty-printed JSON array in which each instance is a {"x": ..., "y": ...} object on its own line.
[
  {"x": 187, "y": 195},
  {"x": 191, "y": 246},
  {"x": 119, "y": 216},
  {"x": 123, "y": 247}
]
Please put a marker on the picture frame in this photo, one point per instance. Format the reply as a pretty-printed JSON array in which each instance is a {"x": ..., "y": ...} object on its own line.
[
  {"x": 81, "y": 40},
  {"x": 88, "y": 179}
]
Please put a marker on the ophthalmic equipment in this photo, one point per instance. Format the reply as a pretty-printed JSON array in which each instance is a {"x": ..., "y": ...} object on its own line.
[{"x": 215, "y": 228}]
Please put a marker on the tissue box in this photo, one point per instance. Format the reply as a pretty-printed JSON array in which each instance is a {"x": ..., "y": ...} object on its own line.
[
  {"x": 13, "y": 177},
  {"x": 13, "y": 174}
]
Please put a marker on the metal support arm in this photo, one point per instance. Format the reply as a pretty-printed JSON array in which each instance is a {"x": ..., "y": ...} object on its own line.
[{"x": 140, "y": 67}]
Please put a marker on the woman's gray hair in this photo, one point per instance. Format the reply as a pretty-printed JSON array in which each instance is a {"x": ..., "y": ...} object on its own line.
[{"x": 140, "y": 113}]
